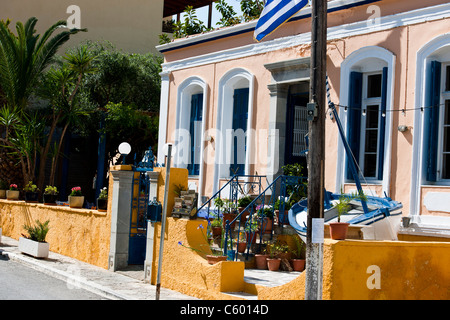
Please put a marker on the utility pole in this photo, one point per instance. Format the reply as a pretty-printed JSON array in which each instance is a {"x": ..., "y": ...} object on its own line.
[{"x": 316, "y": 153}]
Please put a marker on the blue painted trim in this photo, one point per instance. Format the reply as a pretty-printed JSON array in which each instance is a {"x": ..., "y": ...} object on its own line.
[{"x": 251, "y": 29}]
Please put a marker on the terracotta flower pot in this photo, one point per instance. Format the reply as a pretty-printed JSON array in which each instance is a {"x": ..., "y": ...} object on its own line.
[
  {"x": 298, "y": 264},
  {"x": 273, "y": 264},
  {"x": 244, "y": 216},
  {"x": 216, "y": 231},
  {"x": 242, "y": 246},
  {"x": 215, "y": 259},
  {"x": 267, "y": 225},
  {"x": 229, "y": 217},
  {"x": 251, "y": 238},
  {"x": 2, "y": 194},
  {"x": 261, "y": 261},
  {"x": 338, "y": 230}
]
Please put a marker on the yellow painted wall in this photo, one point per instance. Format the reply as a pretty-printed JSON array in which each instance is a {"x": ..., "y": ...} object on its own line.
[
  {"x": 78, "y": 233},
  {"x": 178, "y": 176},
  {"x": 408, "y": 270},
  {"x": 187, "y": 271}
]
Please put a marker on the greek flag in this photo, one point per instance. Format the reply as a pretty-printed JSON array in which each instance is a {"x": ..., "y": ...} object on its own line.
[{"x": 275, "y": 13}]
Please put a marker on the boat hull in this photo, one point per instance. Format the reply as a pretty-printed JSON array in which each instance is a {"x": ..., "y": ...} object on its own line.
[{"x": 380, "y": 223}]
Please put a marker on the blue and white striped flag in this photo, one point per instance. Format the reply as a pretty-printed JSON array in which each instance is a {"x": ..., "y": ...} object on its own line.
[{"x": 275, "y": 13}]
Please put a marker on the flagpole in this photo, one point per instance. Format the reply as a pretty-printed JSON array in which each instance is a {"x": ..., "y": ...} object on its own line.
[{"x": 316, "y": 152}]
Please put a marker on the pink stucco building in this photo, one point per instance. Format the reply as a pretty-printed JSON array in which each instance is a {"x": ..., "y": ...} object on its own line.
[{"x": 231, "y": 104}]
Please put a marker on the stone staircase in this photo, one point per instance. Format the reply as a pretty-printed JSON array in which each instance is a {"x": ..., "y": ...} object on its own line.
[{"x": 254, "y": 276}]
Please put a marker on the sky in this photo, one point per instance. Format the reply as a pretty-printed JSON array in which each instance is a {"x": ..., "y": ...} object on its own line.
[{"x": 202, "y": 13}]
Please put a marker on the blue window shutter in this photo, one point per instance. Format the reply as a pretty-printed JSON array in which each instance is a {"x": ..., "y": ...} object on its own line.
[
  {"x": 354, "y": 117},
  {"x": 382, "y": 128},
  {"x": 196, "y": 115},
  {"x": 240, "y": 117},
  {"x": 431, "y": 119}
]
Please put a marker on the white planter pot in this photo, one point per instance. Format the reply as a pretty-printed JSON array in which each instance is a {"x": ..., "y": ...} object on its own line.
[
  {"x": 12, "y": 194},
  {"x": 34, "y": 248},
  {"x": 76, "y": 202}
]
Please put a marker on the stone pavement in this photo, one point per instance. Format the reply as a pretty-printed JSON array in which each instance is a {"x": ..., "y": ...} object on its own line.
[{"x": 77, "y": 274}]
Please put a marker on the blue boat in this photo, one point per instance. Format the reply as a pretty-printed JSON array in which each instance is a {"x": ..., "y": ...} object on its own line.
[{"x": 382, "y": 215}]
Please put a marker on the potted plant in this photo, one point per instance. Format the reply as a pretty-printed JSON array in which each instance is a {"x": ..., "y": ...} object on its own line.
[
  {"x": 3, "y": 188},
  {"x": 273, "y": 261},
  {"x": 102, "y": 200},
  {"x": 265, "y": 214},
  {"x": 298, "y": 262},
  {"x": 244, "y": 202},
  {"x": 212, "y": 256},
  {"x": 34, "y": 244},
  {"x": 13, "y": 192},
  {"x": 216, "y": 227},
  {"x": 251, "y": 227},
  {"x": 242, "y": 242},
  {"x": 31, "y": 192},
  {"x": 50, "y": 195},
  {"x": 261, "y": 259},
  {"x": 229, "y": 213},
  {"x": 338, "y": 230},
  {"x": 76, "y": 198}
]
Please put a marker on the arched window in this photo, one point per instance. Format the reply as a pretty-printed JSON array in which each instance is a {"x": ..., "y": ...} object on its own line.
[
  {"x": 234, "y": 123},
  {"x": 191, "y": 110},
  {"x": 367, "y": 79},
  {"x": 431, "y": 144}
]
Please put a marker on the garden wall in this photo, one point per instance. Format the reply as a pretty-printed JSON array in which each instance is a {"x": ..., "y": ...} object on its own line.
[{"x": 78, "y": 233}]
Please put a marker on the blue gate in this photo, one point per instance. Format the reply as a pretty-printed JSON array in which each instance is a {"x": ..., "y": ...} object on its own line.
[{"x": 140, "y": 209}]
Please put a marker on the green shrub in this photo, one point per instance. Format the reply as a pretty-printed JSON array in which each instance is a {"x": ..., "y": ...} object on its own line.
[{"x": 37, "y": 232}]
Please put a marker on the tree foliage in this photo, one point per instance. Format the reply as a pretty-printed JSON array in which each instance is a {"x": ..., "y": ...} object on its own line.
[
  {"x": 23, "y": 58},
  {"x": 251, "y": 10},
  {"x": 130, "y": 79}
]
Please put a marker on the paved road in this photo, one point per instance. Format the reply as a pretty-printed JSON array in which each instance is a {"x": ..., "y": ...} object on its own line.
[{"x": 20, "y": 282}]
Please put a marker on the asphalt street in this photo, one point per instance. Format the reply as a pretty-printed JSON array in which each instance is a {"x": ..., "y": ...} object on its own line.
[{"x": 20, "y": 282}]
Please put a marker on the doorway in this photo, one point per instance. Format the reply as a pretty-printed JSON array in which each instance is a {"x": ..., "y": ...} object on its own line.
[{"x": 296, "y": 124}]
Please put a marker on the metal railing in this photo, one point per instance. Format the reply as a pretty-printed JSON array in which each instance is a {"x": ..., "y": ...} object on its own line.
[
  {"x": 239, "y": 185},
  {"x": 255, "y": 220}
]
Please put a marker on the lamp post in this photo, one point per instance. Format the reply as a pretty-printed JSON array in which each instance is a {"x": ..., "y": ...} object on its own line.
[{"x": 124, "y": 150}]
